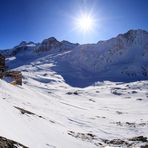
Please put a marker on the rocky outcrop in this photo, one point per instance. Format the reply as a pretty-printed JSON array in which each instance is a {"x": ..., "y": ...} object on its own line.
[
  {"x": 52, "y": 44},
  {"x": 7, "y": 143},
  {"x": 15, "y": 76},
  {"x": 2, "y": 65}
]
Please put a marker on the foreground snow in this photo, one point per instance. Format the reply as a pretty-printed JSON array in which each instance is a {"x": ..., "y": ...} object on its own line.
[{"x": 46, "y": 112}]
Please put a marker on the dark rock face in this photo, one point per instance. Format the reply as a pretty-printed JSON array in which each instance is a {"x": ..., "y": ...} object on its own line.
[
  {"x": 55, "y": 45},
  {"x": 23, "y": 111},
  {"x": 139, "y": 138},
  {"x": 49, "y": 44},
  {"x": 115, "y": 142},
  {"x": 2, "y": 65},
  {"x": 16, "y": 75},
  {"x": 7, "y": 143}
]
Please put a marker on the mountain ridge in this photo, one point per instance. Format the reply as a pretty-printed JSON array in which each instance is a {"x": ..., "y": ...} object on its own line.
[
  {"x": 54, "y": 39},
  {"x": 122, "y": 58}
]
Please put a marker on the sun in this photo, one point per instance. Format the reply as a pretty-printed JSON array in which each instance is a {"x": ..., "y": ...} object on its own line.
[{"x": 85, "y": 22}]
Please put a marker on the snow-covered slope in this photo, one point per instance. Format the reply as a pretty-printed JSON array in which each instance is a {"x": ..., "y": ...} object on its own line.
[
  {"x": 46, "y": 112},
  {"x": 123, "y": 58}
]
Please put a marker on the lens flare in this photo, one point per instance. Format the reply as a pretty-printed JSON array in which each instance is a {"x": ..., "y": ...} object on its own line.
[{"x": 85, "y": 23}]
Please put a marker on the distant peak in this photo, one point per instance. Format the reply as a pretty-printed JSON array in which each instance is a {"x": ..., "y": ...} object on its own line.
[
  {"x": 64, "y": 41},
  {"x": 23, "y": 43},
  {"x": 133, "y": 33},
  {"x": 50, "y": 40},
  {"x": 67, "y": 42},
  {"x": 137, "y": 30}
]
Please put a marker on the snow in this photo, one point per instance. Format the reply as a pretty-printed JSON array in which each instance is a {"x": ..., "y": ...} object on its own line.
[
  {"x": 59, "y": 115},
  {"x": 94, "y": 109},
  {"x": 123, "y": 58}
]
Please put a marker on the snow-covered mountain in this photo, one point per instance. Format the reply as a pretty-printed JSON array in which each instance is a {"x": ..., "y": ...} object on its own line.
[
  {"x": 48, "y": 45},
  {"x": 122, "y": 58},
  {"x": 48, "y": 112}
]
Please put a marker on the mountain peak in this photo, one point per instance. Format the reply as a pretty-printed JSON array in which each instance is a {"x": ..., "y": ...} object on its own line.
[
  {"x": 133, "y": 33},
  {"x": 50, "y": 40},
  {"x": 24, "y": 43}
]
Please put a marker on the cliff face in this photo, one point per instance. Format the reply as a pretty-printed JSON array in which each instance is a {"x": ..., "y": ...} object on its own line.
[
  {"x": 2, "y": 65},
  {"x": 13, "y": 77}
]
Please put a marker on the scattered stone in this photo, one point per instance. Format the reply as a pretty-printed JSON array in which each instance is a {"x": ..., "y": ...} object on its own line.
[
  {"x": 7, "y": 143},
  {"x": 75, "y": 93},
  {"x": 128, "y": 97},
  {"x": 119, "y": 123},
  {"x": 131, "y": 124},
  {"x": 91, "y": 100},
  {"x": 116, "y": 93},
  {"x": 139, "y": 99},
  {"x": 139, "y": 138},
  {"x": 23, "y": 111},
  {"x": 98, "y": 144},
  {"x": 115, "y": 142},
  {"x": 134, "y": 92},
  {"x": 144, "y": 146},
  {"x": 45, "y": 74},
  {"x": 119, "y": 113},
  {"x": 101, "y": 117},
  {"x": 83, "y": 136},
  {"x": 72, "y": 93},
  {"x": 51, "y": 146},
  {"x": 69, "y": 93}
]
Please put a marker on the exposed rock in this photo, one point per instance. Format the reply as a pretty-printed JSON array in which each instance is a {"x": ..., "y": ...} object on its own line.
[
  {"x": 73, "y": 93},
  {"x": 115, "y": 92},
  {"x": 139, "y": 138},
  {"x": 23, "y": 111},
  {"x": 139, "y": 99},
  {"x": 49, "y": 44},
  {"x": 16, "y": 75},
  {"x": 2, "y": 65},
  {"x": 7, "y": 143},
  {"x": 144, "y": 146},
  {"x": 115, "y": 142},
  {"x": 83, "y": 136},
  {"x": 119, "y": 113}
]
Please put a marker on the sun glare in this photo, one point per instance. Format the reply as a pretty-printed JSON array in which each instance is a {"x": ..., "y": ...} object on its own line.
[{"x": 85, "y": 23}]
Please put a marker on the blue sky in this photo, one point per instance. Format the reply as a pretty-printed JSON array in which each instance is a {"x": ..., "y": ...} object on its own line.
[{"x": 35, "y": 20}]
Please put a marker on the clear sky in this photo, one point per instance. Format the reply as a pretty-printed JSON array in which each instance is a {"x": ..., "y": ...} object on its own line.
[{"x": 35, "y": 20}]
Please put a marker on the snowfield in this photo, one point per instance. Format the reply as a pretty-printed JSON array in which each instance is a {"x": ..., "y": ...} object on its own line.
[
  {"x": 68, "y": 98},
  {"x": 57, "y": 115}
]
